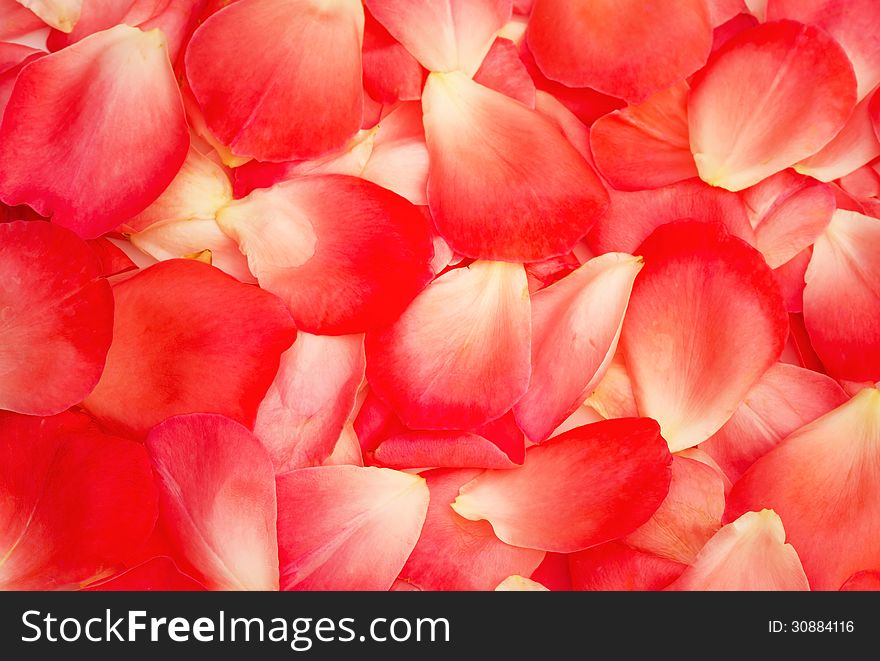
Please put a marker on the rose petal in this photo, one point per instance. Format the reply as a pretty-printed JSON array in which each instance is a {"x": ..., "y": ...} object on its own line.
[
  {"x": 74, "y": 502},
  {"x": 218, "y": 500},
  {"x": 211, "y": 345},
  {"x": 588, "y": 486},
  {"x": 705, "y": 321},
  {"x": 456, "y": 554},
  {"x": 748, "y": 554},
  {"x": 458, "y": 357},
  {"x": 56, "y": 318},
  {"x": 347, "y": 527},
  {"x": 620, "y": 47},
  {"x": 77, "y": 142},
  {"x": 575, "y": 327},
  {"x": 260, "y": 68},
  {"x": 826, "y": 492},
  {"x": 798, "y": 71},
  {"x": 504, "y": 182}
]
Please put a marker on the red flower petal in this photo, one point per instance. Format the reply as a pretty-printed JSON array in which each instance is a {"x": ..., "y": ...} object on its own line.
[
  {"x": 827, "y": 493},
  {"x": 853, "y": 23},
  {"x": 842, "y": 297},
  {"x": 456, "y": 554},
  {"x": 189, "y": 338},
  {"x": 57, "y": 318},
  {"x": 347, "y": 527},
  {"x": 74, "y": 502},
  {"x": 688, "y": 516},
  {"x": 588, "y": 486},
  {"x": 575, "y": 326},
  {"x": 855, "y": 145},
  {"x": 645, "y": 145},
  {"x": 77, "y": 141},
  {"x": 863, "y": 581},
  {"x": 344, "y": 254},
  {"x": 616, "y": 566},
  {"x": 620, "y": 47},
  {"x": 705, "y": 321},
  {"x": 218, "y": 500},
  {"x": 504, "y": 182},
  {"x": 302, "y": 415},
  {"x": 503, "y": 71},
  {"x": 770, "y": 97},
  {"x": 785, "y": 399},
  {"x": 497, "y": 444},
  {"x": 585, "y": 103},
  {"x": 458, "y": 356},
  {"x": 748, "y": 554},
  {"x": 789, "y": 212},
  {"x": 391, "y": 74},
  {"x": 633, "y": 216},
  {"x": 260, "y": 69},
  {"x": 13, "y": 57},
  {"x": 446, "y": 35}
]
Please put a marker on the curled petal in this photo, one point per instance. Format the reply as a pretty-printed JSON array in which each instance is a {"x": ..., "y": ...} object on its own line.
[
  {"x": 458, "y": 357},
  {"x": 688, "y": 516},
  {"x": 796, "y": 70},
  {"x": 497, "y": 444},
  {"x": 303, "y": 414},
  {"x": 590, "y": 485},
  {"x": 855, "y": 24},
  {"x": 575, "y": 327},
  {"x": 77, "y": 141},
  {"x": 347, "y": 527},
  {"x": 854, "y": 146}
]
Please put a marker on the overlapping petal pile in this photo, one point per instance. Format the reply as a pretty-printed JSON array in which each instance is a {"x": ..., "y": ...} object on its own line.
[{"x": 447, "y": 294}]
